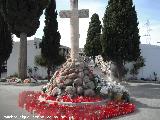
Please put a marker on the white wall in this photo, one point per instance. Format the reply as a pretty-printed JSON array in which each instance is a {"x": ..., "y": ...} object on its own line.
[
  {"x": 151, "y": 53},
  {"x": 32, "y": 51},
  {"x": 12, "y": 63},
  {"x": 3, "y": 75}
]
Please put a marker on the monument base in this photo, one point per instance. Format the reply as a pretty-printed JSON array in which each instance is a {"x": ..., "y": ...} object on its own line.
[
  {"x": 74, "y": 92},
  {"x": 74, "y": 78},
  {"x": 29, "y": 100}
]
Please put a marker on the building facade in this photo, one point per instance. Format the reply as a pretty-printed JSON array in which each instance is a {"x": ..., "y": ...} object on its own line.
[
  {"x": 151, "y": 54},
  {"x": 33, "y": 50}
]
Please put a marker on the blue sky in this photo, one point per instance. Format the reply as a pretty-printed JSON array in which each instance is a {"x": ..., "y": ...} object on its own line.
[{"x": 146, "y": 10}]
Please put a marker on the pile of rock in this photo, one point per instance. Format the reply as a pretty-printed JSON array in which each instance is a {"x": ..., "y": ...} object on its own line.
[{"x": 73, "y": 78}]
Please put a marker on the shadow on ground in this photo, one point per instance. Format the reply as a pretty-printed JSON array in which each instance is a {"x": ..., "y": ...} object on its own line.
[
  {"x": 140, "y": 90},
  {"x": 142, "y": 105}
]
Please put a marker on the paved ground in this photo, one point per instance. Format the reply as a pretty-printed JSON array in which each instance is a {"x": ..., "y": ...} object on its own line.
[
  {"x": 145, "y": 95},
  {"x": 9, "y": 102}
]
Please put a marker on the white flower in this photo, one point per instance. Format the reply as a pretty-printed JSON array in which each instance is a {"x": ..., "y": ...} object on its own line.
[
  {"x": 104, "y": 90},
  {"x": 18, "y": 80},
  {"x": 48, "y": 84},
  {"x": 115, "y": 89},
  {"x": 45, "y": 86},
  {"x": 119, "y": 88}
]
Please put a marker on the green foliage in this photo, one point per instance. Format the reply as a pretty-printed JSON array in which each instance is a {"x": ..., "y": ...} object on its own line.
[
  {"x": 5, "y": 40},
  {"x": 51, "y": 39},
  {"x": 126, "y": 97},
  {"x": 140, "y": 62},
  {"x": 44, "y": 89},
  {"x": 13, "y": 75},
  {"x": 93, "y": 44},
  {"x": 120, "y": 33},
  {"x": 40, "y": 61},
  {"x": 23, "y": 15}
]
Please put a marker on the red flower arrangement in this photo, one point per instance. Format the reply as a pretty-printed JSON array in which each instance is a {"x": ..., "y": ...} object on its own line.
[{"x": 52, "y": 111}]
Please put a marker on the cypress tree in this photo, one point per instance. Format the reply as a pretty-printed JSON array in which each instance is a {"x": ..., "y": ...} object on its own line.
[
  {"x": 93, "y": 44},
  {"x": 23, "y": 19},
  {"x": 5, "y": 41},
  {"x": 51, "y": 40},
  {"x": 120, "y": 33}
]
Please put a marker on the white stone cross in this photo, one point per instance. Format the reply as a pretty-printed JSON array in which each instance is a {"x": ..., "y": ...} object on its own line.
[{"x": 74, "y": 14}]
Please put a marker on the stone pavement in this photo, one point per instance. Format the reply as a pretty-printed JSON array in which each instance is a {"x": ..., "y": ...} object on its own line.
[
  {"x": 9, "y": 102},
  {"x": 146, "y": 96}
]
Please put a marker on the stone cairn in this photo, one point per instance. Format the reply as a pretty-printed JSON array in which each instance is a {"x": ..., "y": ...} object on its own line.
[{"x": 74, "y": 78}]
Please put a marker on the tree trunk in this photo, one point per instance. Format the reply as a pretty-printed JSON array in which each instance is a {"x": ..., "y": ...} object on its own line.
[
  {"x": 120, "y": 69},
  {"x": 94, "y": 59},
  {"x": 22, "y": 65},
  {"x": 0, "y": 70},
  {"x": 48, "y": 72}
]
